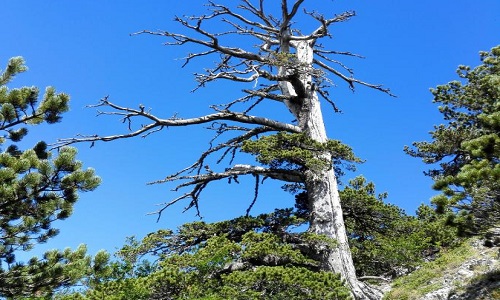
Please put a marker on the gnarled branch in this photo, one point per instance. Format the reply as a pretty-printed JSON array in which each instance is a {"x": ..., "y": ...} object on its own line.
[
  {"x": 200, "y": 181},
  {"x": 157, "y": 123},
  {"x": 272, "y": 67}
]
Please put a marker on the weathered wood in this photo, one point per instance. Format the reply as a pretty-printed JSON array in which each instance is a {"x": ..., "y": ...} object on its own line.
[{"x": 326, "y": 216}]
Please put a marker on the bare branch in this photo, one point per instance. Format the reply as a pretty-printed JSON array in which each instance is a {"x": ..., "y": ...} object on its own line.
[
  {"x": 322, "y": 31},
  {"x": 236, "y": 170},
  {"x": 129, "y": 113},
  {"x": 256, "y": 194},
  {"x": 194, "y": 55},
  {"x": 268, "y": 27},
  {"x": 267, "y": 38},
  {"x": 324, "y": 95},
  {"x": 346, "y": 53},
  {"x": 285, "y": 75},
  {"x": 213, "y": 43},
  {"x": 259, "y": 12},
  {"x": 352, "y": 81},
  {"x": 288, "y": 16},
  {"x": 267, "y": 95},
  {"x": 199, "y": 182},
  {"x": 251, "y": 94},
  {"x": 233, "y": 143},
  {"x": 335, "y": 62},
  {"x": 232, "y": 75}
]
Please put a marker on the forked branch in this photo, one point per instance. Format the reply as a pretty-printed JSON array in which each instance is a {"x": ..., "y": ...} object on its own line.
[
  {"x": 200, "y": 181},
  {"x": 156, "y": 123}
]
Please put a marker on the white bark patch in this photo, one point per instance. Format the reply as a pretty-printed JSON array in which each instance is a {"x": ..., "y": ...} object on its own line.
[{"x": 324, "y": 200}]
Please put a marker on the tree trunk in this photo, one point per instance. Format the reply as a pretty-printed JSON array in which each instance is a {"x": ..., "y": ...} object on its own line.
[{"x": 323, "y": 196}]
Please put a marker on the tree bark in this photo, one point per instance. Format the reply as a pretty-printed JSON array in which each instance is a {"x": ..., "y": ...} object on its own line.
[{"x": 326, "y": 216}]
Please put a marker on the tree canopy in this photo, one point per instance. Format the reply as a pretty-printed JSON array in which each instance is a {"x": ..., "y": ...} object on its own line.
[{"x": 465, "y": 151}]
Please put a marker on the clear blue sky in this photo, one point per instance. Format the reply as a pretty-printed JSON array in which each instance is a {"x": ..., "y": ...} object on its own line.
[{"x": 83, "y": 48}]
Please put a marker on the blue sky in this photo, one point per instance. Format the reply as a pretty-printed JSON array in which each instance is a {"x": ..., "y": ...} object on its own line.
[{"x": 83, "y": 48}]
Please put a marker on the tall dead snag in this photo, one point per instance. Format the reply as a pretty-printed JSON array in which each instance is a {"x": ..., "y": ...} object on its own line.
[{"x": 288, "y": 67}]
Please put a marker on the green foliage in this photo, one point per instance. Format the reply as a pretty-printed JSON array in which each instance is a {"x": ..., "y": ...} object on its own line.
[
  {"x": 283, "y": 283},
  {"x": 268, "y": 248},
  {"x": 126, "y": 289},
  {"x": 283, "y": 59},
  {"x": 19, "y": 106},
  {"x": 210, "y": 261},
  {"x": 38, "y": 278},
  {"x": 36, "y": 189},
  {"x": 14, "y": 67},
  {"x": 264, "y": 257},
  {"x": 296, "y": 151},
  {"x": 261, "y": 266},
  {"x": 467, "y": 147},
  {"x": 382, "y": 237}
]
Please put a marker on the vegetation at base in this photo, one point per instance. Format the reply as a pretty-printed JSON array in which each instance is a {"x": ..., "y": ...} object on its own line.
[
  {"x": 431, "y": 275},
  {"x": 482, "y": 292},
  {"x": 264, "y": 257},
  {"x": 259, "y": 266},
  {"x": 420, "y": 282},
  {"x": 37, "y": 188}
]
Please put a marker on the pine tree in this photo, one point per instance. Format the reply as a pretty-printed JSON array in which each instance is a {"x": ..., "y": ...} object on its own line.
[
  {"x": 466, "y": 149},
  {"x": 284, "y": 65},
  {"x": 36, "y": 188}
]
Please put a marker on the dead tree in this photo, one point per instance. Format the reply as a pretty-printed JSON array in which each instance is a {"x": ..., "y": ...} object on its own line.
[{"x": 286, "y": 66}]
